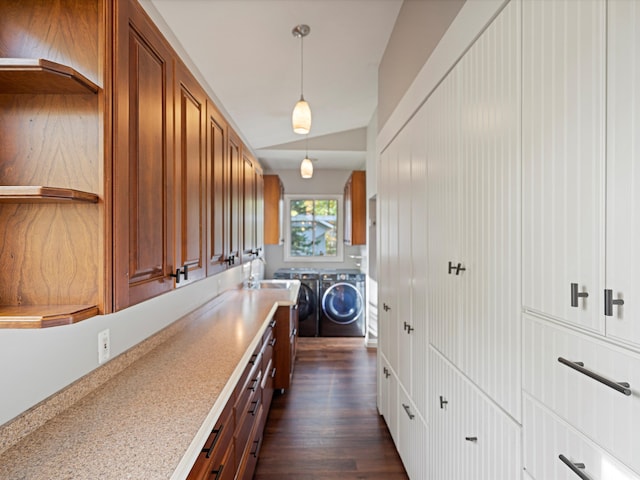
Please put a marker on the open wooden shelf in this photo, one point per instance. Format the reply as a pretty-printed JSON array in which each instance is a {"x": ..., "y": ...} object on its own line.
[
  {"x": 42, "y": 316},
  {"x": 38, "y": 194},
  {"x": 37, "y": 75}
]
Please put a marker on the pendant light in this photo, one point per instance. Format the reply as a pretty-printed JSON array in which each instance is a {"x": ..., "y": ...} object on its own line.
[
  {"x": 301, "y": 117},
  {"x": 306, "y": 167}
]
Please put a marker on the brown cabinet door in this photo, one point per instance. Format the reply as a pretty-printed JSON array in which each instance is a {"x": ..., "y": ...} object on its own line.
[
  {"x": 273, "y": 203},
  {"x": 217, "y": 191},
  {"x": 355, "y": 209},
  {"x": 143, "y": 159},
  {"x": 190, "y": 171},
  {"x": 259, "y": 204},
  {"x": 249, "y": 207},
  {"x": 234, "y": 180}
]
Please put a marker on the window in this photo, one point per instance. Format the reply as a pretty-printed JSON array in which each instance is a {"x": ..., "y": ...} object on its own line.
[{"x": 313, "y": 230}]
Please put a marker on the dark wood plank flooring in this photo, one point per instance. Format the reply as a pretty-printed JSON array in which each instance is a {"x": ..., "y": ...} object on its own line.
[{"x": 326, "y": 426}]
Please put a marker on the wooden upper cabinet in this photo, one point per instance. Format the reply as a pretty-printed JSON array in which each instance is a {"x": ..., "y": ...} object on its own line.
[
  {"x": 273, "y": 210},
  {"x": 190, "y": 186},
  {"x": 217, "y": 191},
  {"x": 143, "y": 159},
  {"x": 54, "y": 257},
  {"x": 259, "y": 215},
  {"x": 249, "y": 206},
  {"x": 355, "y": 209},
  {"x": 234, "y": 182}
]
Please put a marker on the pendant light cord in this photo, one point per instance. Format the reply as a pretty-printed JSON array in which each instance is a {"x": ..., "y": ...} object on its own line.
[{"x": 301, "y": 66}]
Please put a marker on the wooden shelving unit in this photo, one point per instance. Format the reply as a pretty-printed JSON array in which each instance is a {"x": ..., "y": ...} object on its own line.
[
  {"x": 42, "y": 316},
  {"x": 39, "y": 194},
  {"x": 38, "y": 76}
]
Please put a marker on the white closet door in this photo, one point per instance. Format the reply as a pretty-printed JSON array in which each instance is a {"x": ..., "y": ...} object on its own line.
[
  {"x": 413, "y": 438},
  {"x": 419, "y": 264},
  {"x": 490, "y": 205},
  {"x": 403, "y": 265},
  {"x": 623, "y": 170},
  {"x": 563, "y": 146},
  {"x": 443, "y": 190}
]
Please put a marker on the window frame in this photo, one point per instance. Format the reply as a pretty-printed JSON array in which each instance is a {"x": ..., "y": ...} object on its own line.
[{"x": 339, "y": 257}]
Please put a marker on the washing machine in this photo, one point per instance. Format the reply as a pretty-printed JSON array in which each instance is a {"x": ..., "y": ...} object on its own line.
[
  {"x": 308, "y": 301},
  {"x": 342, "y": 303}
]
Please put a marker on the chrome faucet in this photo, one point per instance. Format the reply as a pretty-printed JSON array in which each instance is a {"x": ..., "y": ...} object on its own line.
[{"x": 252, "y": 281}]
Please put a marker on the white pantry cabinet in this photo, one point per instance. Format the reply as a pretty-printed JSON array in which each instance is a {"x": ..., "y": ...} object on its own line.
[
  {"x": 563, "y": 146},
  {"x": 623, "y": 171}
]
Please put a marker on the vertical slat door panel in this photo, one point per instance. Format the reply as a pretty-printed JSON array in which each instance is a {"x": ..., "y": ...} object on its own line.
[
  {"x": 402, "y": 266},
  {"x": 419, "y": 266},
  {"x": 471, "y": 437},
  {"x": 391, "y": 316},
  {"x": 563, "y": 76},
  {"x": 623, "y": 174},
  {"x": 413, "y": 437},
  {"x": 490, "y": 196},
  {"x": 442, "y": 134},
  {"x": 217, "y": 189}
]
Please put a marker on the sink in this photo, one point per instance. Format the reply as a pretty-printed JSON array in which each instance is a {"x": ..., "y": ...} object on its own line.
[{"x": 269, "y": 284}]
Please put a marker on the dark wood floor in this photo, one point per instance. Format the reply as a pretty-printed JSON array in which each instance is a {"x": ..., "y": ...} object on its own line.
[{"x": 326, "y": 426}]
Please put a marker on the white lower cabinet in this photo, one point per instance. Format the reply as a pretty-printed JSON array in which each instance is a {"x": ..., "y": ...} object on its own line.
[
  {"x": 559, "y": 365},
  {"x": 470, "y": 436},
  {"x": 412, "y": 437},
  {"x": 388, "y": 396},
  {"x": 555, "y": 450}
]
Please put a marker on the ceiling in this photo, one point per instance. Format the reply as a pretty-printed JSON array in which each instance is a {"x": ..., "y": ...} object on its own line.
[{"x": 245, "y": 51}]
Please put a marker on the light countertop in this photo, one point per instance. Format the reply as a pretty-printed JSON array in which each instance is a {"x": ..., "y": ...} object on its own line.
[{"x": 151, "y": 420}]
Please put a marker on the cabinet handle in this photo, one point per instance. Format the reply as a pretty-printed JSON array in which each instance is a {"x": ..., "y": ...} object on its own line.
[
  {"x": 609, "y": 302},
  {"x": 575, "y": 467},
  {"x": 408, "y": 328},
  {"x": 443, "y": 401},
  {"x": 231, "y": 260},
  {"x": 273, "y": 372},
  {"x": 253, "y": 358},
  {"x": 272, "y": 342},
  {"x": 471, "y": 439},
  {"x": 185, "y": 272},
  {"x": 622, "y": 387},
  {"x": 176, "y": 275},
  {"x": 256, "y": 381},
  {"x": 386, "y": 372},
  {"x": 272, "y": 324},
  {"x": 295, "y": 332},
  {"x": 458, "y": 268},
  {"x": 209, "y": 450},
  {"x": 218, "y": 472},
  {"x": 386, "y": 307},
  {"x": 408, "y": 411},
  {"x": 257, "y": 444},
  {"x": 575, "y": 294},
  {"x": 253, "y": 411}
]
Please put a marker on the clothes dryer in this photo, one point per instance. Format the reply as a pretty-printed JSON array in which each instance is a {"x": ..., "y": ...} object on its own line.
[
  {"x": 307, "y": 298},
  {"x": 342, "y": 303}
]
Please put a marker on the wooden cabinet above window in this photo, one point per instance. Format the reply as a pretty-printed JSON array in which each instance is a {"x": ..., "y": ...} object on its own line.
[
  {"x": 273, "y": 210},
  {"x": 355, "y": 210}
]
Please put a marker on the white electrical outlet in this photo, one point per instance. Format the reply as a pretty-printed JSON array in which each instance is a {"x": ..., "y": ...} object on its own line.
[{"x": 104, "y": 346}]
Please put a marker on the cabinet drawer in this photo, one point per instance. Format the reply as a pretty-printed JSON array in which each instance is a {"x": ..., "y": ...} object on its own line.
[
  {"x": 245, "y": 421},
  {"x": 606, "y": 416},
  {"x": 268, "y": 378},
  {"x": 224, "y": 469},
  {"x": 546, "y": 437},
  {"x": 216, "y": 446},
  {"x": 252, "y": 449}
]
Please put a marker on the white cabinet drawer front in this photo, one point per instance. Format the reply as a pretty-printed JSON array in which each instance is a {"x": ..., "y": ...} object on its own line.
[
  {"x": 608, "y": 417},
  {"x": 413, "y": 437},
  {"x": 546, "y": 437}
]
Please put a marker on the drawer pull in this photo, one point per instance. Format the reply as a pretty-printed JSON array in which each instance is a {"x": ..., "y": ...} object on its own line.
[
  {"x": 256, "y": 381},
  {"x": 575, "y": 295},
  {"x": 254, "y": 410},
  {"x": 272, "y": 324},
  {"x": 273, "y": 372},
  {"x": 257, "y": 443},
  {"x": 386, "y": 372},
  {"x": 209, "y": 450},
  {"x": 622, "y": 387},
  {"x": 408, "y": 411},
  {"x": 609, "y": 302},
  {"x": 272, "y": 342},
  {"x": 575, "y": 467},
  {"x": 253, "y": 359},
  {"x": 217, "y": 472},
  {"x": 443, "y": 402},
  {"x": 471, "y": 439}
]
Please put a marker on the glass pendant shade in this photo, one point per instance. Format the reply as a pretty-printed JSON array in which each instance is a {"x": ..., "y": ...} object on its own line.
[
  {"x": 301, "y": 117},
  {"x": 306, "y": 168}
]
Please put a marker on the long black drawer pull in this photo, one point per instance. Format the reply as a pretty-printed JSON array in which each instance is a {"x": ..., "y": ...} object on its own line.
[
  {"x": 257, "y": 444},
  {"x": 254, "y": 410},
  {"x": 408, "y": 411},
  {"x": 622, "y": 387},
  {"x": 209, "y": 450},
  {"x": 471, "y": 439},
  {"x": 575, "y": 467},
  {"x": 218, "y": 472}
]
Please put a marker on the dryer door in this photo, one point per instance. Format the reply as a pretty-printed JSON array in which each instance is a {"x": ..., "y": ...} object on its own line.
[
  {"x": 307, "y": 302},
  {"x": 342, "y": 303}
]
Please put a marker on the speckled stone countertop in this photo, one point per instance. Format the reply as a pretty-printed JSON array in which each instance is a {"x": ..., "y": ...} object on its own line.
[{"x": 151, "y": 420}]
